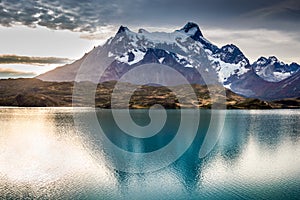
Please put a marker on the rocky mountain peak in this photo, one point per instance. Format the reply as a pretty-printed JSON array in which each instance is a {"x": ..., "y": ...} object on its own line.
[{"x": 193, "y": 30}]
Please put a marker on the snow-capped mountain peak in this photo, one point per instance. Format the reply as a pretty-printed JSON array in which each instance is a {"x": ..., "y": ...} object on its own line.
[
  {"x": 273, "y": 59},
  {"x": 193, "y": 30},
  {"x": 185, "y": 50},
  {"x": 273, "y": 70},
  {"x": 262, "y": 61},
  {"x": 232, "y": 54},
  {"x": 130, "y": 48}
]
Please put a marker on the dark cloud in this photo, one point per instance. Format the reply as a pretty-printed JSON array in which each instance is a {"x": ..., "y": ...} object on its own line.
[
  {"x": 284, "y": 16},
  {"x": 91, "y": 15},
  {"x": 14, "y": 59},
  {"x": 11, "y": 73},
  {"x": 65, "y": 14}
]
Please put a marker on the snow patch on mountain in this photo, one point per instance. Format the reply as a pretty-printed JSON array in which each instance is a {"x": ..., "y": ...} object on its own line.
[
  {"x": 226, "y": 70},
  {"x": 161, "y": 60},
  {"x": 130, "y": 58},
  {"x": 281, "y": 75}
]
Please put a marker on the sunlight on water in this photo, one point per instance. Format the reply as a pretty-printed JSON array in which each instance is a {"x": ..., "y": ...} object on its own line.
[
  {"x": 38, "y": 150},
  {"x": 44, "y": 155}
]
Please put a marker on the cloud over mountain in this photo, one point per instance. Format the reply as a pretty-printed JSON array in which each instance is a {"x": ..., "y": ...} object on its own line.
[{"x": 91, "y": 15}]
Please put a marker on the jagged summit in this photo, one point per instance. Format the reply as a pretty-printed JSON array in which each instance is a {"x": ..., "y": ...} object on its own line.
[
  {"x": 262, "y": 58},
  {"x": 270, "y": 60},
  {"x": 273, "y": 58},
  {"x": 193, "y": 30},
  {"x": 232, "y": 54},
  {"x": 273, "y": 70},
  {"x": 122, "y": 29}
]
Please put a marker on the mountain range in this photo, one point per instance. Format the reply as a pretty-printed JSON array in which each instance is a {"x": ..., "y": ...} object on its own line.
[{"x": 188, "y": 52}]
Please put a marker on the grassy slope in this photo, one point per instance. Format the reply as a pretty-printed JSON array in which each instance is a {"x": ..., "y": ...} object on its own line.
[{"x": 34, "y": 92}]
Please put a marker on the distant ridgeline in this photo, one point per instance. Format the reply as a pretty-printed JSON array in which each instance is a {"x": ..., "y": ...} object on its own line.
[{"x": 37, "y": 93}]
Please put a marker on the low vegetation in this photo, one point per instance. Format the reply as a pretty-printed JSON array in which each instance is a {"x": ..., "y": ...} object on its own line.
[{"x": 37, "y": 93}]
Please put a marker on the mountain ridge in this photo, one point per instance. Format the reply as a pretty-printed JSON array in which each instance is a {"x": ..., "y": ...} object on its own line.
[{"x": 187, "y": 51}]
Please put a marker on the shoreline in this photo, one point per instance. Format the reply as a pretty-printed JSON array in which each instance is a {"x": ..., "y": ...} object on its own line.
[{"x": 37, "y": 93}]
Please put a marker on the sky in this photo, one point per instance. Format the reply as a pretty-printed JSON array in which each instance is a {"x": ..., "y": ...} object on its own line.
[{"x": 70, "y": 28}]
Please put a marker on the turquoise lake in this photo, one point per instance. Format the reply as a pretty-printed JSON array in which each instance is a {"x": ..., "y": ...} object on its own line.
[{"x": 59, "y": 153}]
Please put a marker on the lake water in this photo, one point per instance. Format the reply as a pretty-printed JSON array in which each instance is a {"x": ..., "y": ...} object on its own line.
[{"x": 58, "y": 153}]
